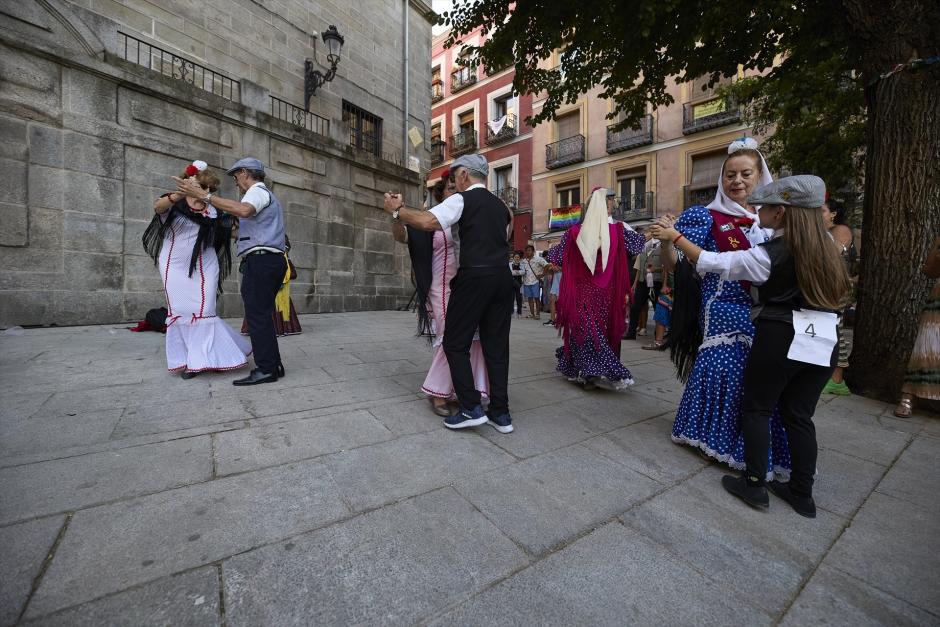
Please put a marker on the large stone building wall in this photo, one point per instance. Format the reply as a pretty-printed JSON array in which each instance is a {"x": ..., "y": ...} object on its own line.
[{"x": 89, "y": 140}]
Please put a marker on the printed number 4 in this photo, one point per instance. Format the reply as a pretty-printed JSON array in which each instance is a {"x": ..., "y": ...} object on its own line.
[{"x": 810, "y": 331}]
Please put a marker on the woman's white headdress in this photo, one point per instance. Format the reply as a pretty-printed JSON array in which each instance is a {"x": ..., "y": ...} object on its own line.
[{"x": 595, "y": 231}]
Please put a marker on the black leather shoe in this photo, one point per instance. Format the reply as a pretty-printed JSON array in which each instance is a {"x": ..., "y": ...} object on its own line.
[
  {"x": 186, "y": 374},
  {"x": 256, "y": 377},
  {"x": 755, "y": 496},
  {"x": 802, "y": 505},
  {"x": 280, "y": 371}
]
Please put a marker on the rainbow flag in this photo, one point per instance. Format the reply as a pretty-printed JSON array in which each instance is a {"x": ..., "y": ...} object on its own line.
[{"x": 564, "y": 217}]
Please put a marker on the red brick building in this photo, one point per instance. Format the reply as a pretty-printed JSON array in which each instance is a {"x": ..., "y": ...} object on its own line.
[{"x": 476, "y": 110}]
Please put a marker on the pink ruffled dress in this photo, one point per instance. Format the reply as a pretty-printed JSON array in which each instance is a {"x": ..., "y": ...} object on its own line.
[{"x": 443, "y": 268}]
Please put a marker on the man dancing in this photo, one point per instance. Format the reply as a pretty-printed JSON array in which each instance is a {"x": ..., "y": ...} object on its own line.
[
  {"x": 481, "y": 293},
  {"x": 261, "y": 247}
]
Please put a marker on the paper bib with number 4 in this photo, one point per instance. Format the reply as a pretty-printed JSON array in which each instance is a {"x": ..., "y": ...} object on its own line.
[{"x": 814, "y": 337}]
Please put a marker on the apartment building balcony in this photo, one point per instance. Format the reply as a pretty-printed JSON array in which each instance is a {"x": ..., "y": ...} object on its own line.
[
  {"x": 510, "y": 196},
  {"x": 618, "y": 141},
  {"x": 701, "y": 116},
  {"x": 635, "y": 207},
  {"x": 437, "y": 92},
  {"x": 437, "y": 153},
  {"x": 461, "y": 80},
  {"x": 698, "y": 195},
  {"x": 507, "y": 132},
  {"x": 564, "y": 152},
  {"x": 463, "y": 142}
]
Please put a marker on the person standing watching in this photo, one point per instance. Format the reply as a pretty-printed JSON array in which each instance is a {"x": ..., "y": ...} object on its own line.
[
  {"x": 534, "y": 268},
  {"x": 261, "y": 244},
  {"x": 481, "y": 293}
]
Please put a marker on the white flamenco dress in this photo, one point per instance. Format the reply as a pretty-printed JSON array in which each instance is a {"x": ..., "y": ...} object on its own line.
[{"x": 197, "y": 340}]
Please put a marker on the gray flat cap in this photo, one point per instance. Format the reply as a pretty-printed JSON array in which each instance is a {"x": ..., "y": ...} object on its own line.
[
  {"x": 476, "y": 163},
  {"x": 802, "y": 190},
  {"x": 249, "y": 163},
  {"x": 610, "y": 192}
]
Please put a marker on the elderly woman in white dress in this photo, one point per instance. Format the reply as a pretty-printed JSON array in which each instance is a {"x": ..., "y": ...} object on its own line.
[{"x": 191, "y": 245}]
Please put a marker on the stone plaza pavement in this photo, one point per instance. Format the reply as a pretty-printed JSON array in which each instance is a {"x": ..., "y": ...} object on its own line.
[{"x": 132, "y": 497}]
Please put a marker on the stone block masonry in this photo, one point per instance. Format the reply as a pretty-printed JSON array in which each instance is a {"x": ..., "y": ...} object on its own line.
[{"x": 90, "y": 140}]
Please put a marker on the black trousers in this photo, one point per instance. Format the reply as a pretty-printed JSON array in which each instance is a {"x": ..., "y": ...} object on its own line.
[
  {"x": 518, "y": 296},
  {"x": 641, "y": 301},
  {"x": 771, "y": 380},
  {"x": 262, "y": 276},
  {"x": 480, "y": 298}
]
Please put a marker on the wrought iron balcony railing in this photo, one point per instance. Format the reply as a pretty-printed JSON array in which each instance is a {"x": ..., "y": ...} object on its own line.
[
  {"x": 510, "y": 196},
  {"x": 462, "y": 79},
  {"x": 698, "y": 195},
  {"x": 437, "y": 92},
  {"x": 564, "y": 152},
  {"x": 628, "y": 138},
  {"x": 462, "y": 143},
  {"x": 283, "y": 110},
  {"x": 170, "y": 64},
  {"x": 508, "y": 131},
  {"x": 437, "y": 153},
  {"x": 701, "y": 116},
  {"x": 635, "y": 207}
]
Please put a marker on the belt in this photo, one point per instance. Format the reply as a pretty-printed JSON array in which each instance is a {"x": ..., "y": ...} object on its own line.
[{"x": 262, "y": 252}]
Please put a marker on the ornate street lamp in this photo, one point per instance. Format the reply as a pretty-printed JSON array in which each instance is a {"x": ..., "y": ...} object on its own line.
[{"x": 314, "y": 79}]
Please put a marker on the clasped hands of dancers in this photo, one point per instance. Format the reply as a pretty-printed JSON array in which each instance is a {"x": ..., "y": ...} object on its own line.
[{"x": 753, "y": 414}]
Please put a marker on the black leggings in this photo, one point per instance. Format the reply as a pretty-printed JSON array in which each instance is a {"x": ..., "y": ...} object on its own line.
[{"x": 772, "y": 380}]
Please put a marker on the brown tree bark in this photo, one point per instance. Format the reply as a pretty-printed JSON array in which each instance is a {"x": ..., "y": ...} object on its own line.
[{"x": 902, "y": 185}]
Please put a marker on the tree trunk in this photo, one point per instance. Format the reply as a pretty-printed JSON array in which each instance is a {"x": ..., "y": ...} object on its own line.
[{"x": 902, "y": 186}]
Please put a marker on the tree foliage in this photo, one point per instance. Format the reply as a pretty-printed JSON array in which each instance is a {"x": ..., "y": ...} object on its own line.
[{"x": 807, "y": 88}]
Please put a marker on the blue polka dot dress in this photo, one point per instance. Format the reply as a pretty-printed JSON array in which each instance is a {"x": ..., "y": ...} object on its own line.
[{"x": 709, "y": 412}]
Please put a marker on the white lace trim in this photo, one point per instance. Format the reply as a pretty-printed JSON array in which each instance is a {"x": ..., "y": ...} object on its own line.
[
  {"x": 778, "y": 472},
  {"x": 725, "y": 339}
]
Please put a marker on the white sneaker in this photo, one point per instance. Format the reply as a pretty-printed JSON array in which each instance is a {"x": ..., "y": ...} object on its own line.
[{"x": 641, "y": 332}]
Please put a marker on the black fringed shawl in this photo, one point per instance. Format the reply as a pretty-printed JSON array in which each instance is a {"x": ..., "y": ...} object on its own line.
[
  {"x": 421, "y": 250},
  {"x": 213, "y": 233},
  {"x": 685, "y": 331}
]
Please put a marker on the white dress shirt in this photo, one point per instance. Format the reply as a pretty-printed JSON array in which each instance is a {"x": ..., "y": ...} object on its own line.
[
  {"x": 448, "y": 212},
  {"x": 751, "y": 265},
  {"x": 257, "y": 196}
]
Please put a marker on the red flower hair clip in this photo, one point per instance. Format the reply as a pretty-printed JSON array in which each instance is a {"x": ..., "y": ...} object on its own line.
[{"x": 196, "y": 167}]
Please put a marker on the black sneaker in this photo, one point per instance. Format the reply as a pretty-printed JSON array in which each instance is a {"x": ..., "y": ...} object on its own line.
[
  {"x": 802, "y": 505},
  {"x": 502, "y": 423},
  {"x": 753, "y": 495},
  {"x": 466, "y": 418}
]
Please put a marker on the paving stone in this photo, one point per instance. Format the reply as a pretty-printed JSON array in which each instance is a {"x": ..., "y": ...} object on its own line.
[
  {"x": 24, "y": 548},
  {"x": 764, "y": 556},
  {"x": 67, "y": 484},
  {"x": 44, "y": 433},
  {"x": 858, "y": 434},
  {"x": 257, "y": 447},
  {"x": 189, "y": 599},
  {"x": 551, "y": 498},
  {"x": 894, "y": 545},
  {"x": 613, "y": 576},
  {"x": 533, "y": 394},
  {"x": 176, "y": 416},
  {"x": 112, "y": 547},
  {"x": 647, "y": 448},
  {"x": 915, "y": 477},
  {"x": 543, "y": 429},
  {"x": 843, "y": 482},
  {"x": 381, "y": 473},
  {"x": 395, "y": 565},
  {"x": 832, "y": 597},
  {"x": 613, "y": 410},
  {"x": 316, "y": 396},
  {"x": 411, "y": 416}
]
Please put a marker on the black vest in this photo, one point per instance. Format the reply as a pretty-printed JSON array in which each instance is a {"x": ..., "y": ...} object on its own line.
[
  {"x": 482, "y": 230},
  {"x": 781, "y": 294}
]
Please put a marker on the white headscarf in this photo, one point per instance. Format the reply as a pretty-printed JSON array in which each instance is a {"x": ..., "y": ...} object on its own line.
[
  {"x": 595, "y": 233},
  {"x": 722, "y": 203}
]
